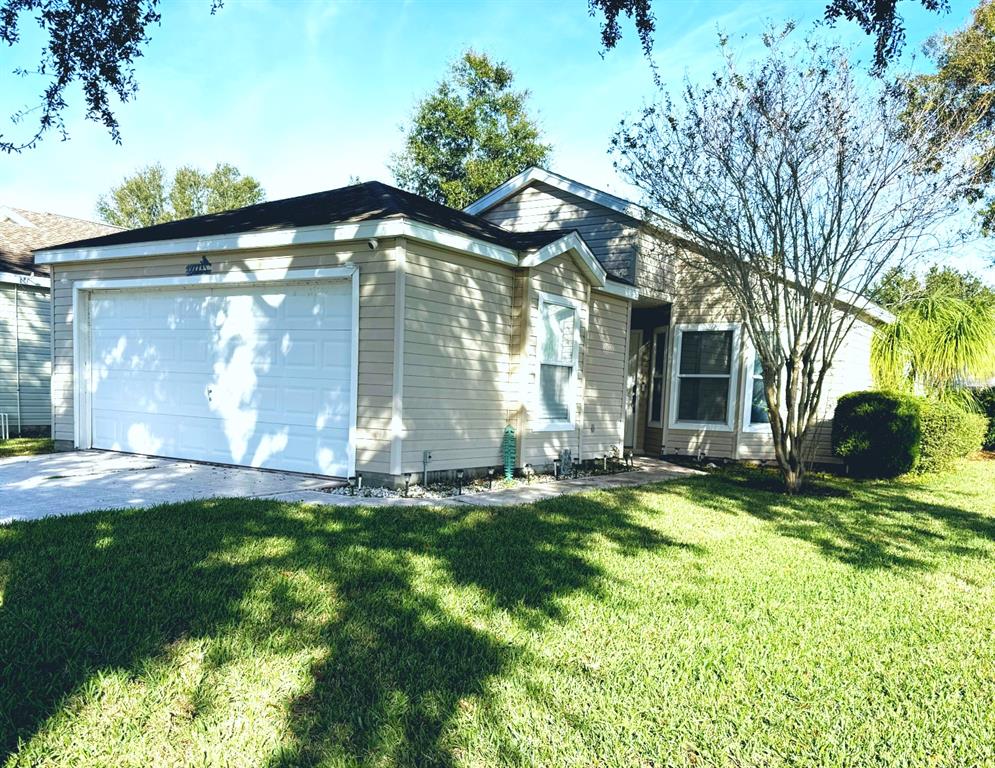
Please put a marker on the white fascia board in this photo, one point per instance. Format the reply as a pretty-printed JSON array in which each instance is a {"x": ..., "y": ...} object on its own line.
[
  {"x": 399, "y": 227},
  {"x": 534, "y": 174},
  {"x": 621, "y": 290},
  {"x": 223, "y": 278},
  {"x": 572, "y": 242},
  {"x": 35, "y": 281}
]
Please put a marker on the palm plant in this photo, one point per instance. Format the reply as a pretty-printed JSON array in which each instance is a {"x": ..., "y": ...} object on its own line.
[{"x": 937, "y": 343}]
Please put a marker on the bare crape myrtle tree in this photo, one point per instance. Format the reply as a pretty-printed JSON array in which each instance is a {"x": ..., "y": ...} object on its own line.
[{"x": 793, "y": 182}]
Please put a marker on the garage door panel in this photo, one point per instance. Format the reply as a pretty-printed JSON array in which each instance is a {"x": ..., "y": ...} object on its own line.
[{"x": 254, "y": 376}]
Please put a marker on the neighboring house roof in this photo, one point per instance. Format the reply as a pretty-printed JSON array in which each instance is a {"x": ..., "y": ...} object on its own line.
[
  {"x": 634, "y": 211},
  {"x": 23, "y": 231}
]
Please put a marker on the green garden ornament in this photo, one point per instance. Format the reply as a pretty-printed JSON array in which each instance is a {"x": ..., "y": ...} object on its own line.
[{"x": 508, "y": 451}]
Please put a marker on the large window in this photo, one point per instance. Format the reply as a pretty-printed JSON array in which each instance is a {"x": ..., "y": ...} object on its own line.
[
  {"x": 658, "y": 364},
  {"x": 559, "y": 340},
  {"x": 704, "y": 377}
]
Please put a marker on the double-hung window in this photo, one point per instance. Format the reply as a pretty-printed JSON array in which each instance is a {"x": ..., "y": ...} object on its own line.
[
  {"x": 704, "y": 376},
  {"x": 559, "y": 342},
  {"x": 658, "y": 362}
]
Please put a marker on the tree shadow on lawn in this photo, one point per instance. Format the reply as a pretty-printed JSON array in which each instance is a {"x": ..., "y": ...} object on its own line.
[
  {"x": 365, "y": 589},
  {"x": 864, "y": 523}
]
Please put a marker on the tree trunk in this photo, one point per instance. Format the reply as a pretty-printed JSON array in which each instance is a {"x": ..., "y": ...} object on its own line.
[{"x": 788, "y": 450}]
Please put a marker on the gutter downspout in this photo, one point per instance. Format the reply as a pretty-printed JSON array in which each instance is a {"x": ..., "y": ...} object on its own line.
[{"x": 17, "y": 356}]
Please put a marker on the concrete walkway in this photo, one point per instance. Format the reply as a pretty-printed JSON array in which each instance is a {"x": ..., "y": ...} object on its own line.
[{"x": 33, "y": 487}]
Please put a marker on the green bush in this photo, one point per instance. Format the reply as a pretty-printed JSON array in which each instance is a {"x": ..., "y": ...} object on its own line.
[
  {"x": 948, "y": 433},
  {"x": 876, "y": 433},
  {"x": 986, "y": 398}
]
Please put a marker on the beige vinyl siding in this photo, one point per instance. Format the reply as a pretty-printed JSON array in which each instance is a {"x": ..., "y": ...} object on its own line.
[
  {"x": 700, "y": 299},
  {"x": 25, "y": 355},
  {"x": 376, "y": 326},
  {"x": 604, "y": 374},
  {"x": 457, "y": 359},
  {"x": 610, "y": 235},
  {"x": 851, "y": 371},
  {"x": 559, "y": 277}
]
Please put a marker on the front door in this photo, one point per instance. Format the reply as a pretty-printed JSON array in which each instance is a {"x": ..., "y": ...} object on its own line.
[{"x": 632, "y": 387}]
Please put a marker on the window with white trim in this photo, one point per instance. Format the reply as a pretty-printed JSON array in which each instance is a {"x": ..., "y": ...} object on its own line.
[
  {"x": 658, "y": 364},
  {"x": 756, "y": 416},
  {"x": 758, "y": 398},
  {"x": 704, "y": 376},
  {"x": 559, "y": 341}
]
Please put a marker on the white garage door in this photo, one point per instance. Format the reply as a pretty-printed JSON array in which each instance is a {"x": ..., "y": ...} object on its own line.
[{"x": 257, "y": 376}]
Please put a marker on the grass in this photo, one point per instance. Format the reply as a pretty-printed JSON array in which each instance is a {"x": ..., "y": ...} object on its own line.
[
  {"x": 25, "y": 446},
  {"x": 709, "y": 621}
]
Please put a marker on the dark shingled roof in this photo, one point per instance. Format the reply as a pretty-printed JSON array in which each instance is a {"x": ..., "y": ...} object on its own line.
[{"x": 360, "y": 202}]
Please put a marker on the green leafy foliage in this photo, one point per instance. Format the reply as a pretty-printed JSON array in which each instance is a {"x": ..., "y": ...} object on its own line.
[
  {"x": 943, "y": 335},
  {"x": 148, "y": 197},
  {"x": 961, "y": 90},
  {"x": 949, "y": 433},
  {"x": 986, "y": 403},
  {"x": 880, "y": 19},
  {"x": 92, "y": 44},
  {"x": 471, "y": 134},
  {"x": 877, "y": 433}
]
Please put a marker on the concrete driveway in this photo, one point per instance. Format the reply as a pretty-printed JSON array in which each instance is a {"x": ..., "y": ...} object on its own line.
[{"x": 69, "y": 483}]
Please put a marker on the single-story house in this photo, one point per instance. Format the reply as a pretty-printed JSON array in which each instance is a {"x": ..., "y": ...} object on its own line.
[
  {"x": 369, "y": 330},
  {"x": 25, "y": 352}
]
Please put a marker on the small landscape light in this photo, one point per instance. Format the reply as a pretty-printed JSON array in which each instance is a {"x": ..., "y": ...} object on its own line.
[
  {"x": 352, "y": 486},
  {"x": 459, "y": 482},
  {"x": 528, "y": 472},
  {"x": 407, "y": 483},
  {"x": 556, "y": 468},
  {"x": 359, "y": 481},
  {"x": 490, "y": 478}
]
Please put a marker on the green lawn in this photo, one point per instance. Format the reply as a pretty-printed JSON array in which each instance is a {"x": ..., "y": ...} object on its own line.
[
  {"x": 25, "y": 446},
  {"x": 710, "y": 621}
]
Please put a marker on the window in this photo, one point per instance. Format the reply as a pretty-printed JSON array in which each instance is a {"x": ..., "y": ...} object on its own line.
[
  {"x": 756, "y": 417},
  {"x": 704, "y": 376},
  {"x": 758, "y": 400},
  {"x": 657, "y": 365},
  {"x": 559, "y": 340}
]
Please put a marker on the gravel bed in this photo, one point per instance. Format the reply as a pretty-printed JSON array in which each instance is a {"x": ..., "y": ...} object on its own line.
[{"x": 470, "y": 488}]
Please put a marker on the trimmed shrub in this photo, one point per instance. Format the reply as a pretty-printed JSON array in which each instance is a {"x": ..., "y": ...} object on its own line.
[
  {"x": 877, "y": 433},
  {"x": 986, "y": 398},
  {"x": 948, "y": 433}
]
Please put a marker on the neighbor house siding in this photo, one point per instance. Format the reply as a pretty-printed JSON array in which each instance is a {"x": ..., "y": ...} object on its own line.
[
  {"x": 457, "y": 391},
  {"x": 376, "y": 326},
  {"x": 611, "y": 236},
  {"x": 25, "y": 354}
]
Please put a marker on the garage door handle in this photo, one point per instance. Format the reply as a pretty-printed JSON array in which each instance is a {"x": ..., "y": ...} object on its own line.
[{"x": 210, "y": 394}]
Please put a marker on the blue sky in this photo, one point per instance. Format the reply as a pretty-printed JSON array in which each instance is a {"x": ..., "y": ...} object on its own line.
[{"x": 303, "y": 95}]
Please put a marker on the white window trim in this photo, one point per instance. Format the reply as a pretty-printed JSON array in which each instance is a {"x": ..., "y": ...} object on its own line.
[
  {"x": 665, "y": 330},
  {"x": 540, "y": 425},
  {"x": 715, "y": 426},
  {"x": 749, "y": 358}
]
